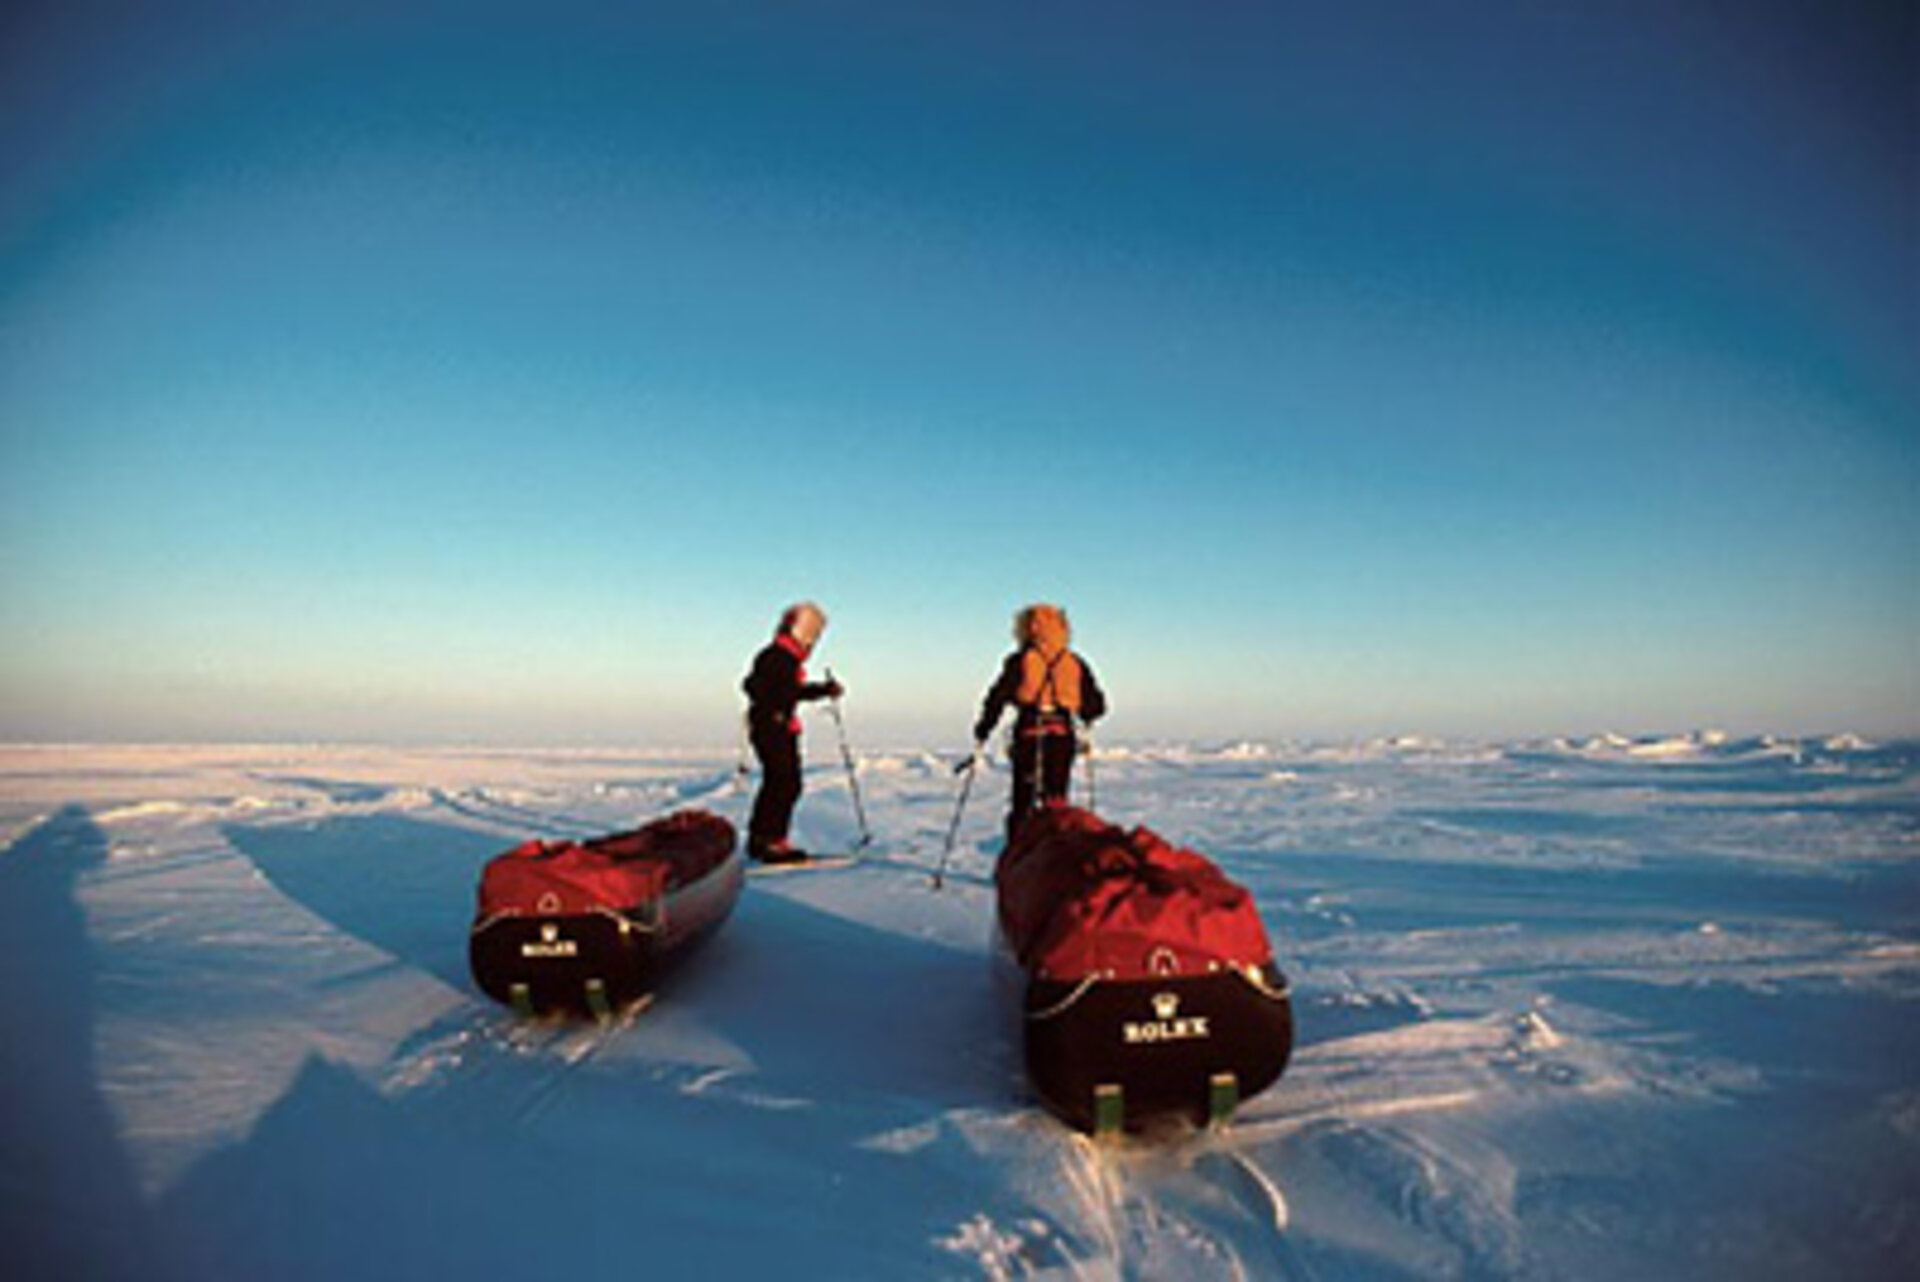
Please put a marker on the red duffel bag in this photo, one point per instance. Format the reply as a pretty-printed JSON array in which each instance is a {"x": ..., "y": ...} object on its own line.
[{"x": 1081, "y": 897}]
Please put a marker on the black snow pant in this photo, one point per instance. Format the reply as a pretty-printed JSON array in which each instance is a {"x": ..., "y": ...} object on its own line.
[
  {"x": 1042, "y": 773},
  {"x": 779, "y": 751}
]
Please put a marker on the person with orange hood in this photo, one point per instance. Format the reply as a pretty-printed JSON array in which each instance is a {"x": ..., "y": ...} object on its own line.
[
  {"x": 1053, "y": 691},
  {"x": 775, "y": 687}
]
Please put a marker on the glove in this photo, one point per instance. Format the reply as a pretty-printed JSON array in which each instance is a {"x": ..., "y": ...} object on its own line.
[
  {"x": 835, "y": 689},
  {"x": 981, "y": 731}
]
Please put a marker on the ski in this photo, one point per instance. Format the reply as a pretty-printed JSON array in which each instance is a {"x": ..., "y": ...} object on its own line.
[{"x": 813, "y": 863}]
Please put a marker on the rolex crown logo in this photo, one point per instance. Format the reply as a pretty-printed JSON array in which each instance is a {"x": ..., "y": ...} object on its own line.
[
  {"x": 551, "y": 943},
  {"x": 1167, "y": 1024}
]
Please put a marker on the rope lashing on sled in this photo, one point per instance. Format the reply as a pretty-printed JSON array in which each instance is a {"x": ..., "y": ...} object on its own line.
[
  {"x": 626, "y": 921},
  {"x": 1065, "y": 1004},
  {"x": 1257, "y": 980}
]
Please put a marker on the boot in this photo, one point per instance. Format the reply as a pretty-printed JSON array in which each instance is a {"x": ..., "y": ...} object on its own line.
[{"x": 777, "y": 852}]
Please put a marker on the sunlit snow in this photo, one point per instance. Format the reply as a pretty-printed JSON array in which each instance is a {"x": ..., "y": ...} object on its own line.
[{"x": 1608, "y": 1007}]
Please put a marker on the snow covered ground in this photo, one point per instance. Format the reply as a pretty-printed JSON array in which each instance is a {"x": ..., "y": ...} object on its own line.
[{"x": 1598, "y": 1009}]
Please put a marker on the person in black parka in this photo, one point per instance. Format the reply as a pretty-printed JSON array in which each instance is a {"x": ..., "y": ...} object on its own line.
[
  {"x": 1054, "y": 692},
  {"x": 775, "y": 686}
]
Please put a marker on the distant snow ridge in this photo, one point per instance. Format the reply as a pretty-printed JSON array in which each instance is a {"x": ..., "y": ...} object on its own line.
[
  {"x": 1680, "y": 746},
  {"x": 1703, "y": 745},
  {"x": 891, "y": 763}
]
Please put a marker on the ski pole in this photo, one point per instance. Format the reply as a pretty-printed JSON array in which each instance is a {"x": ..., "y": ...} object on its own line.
[
  {"x": 740, "y": 770},
  {"x": 853, "y": 776},
  {"x": 953, "y": 829},
  {"x": 1093, "y": 793}
]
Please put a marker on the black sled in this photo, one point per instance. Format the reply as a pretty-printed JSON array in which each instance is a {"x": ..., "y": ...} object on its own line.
[
  {"x": 583, "y": 928},
  {"x": 1111, "y": 1055},
  {"x": 1144, "y": 979}
]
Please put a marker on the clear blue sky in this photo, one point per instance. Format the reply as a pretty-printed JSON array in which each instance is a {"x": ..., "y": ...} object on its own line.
[{"x": 473, "y": 371}]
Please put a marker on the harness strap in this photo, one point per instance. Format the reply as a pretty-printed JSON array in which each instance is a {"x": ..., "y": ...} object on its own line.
[{"x": 1048, "y": 691}]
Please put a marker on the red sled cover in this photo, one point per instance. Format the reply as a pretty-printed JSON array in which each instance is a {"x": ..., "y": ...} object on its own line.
[
  {"x": 621, "y": 871},
  {"x": 1080, "y": 897}
]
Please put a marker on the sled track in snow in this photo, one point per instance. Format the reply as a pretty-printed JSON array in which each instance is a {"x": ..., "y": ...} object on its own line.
[
  {"x": 489, "y": 1064},
  {"x": 1169, "y": 1206}
]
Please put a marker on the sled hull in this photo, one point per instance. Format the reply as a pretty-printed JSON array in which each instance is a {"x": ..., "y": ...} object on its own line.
[
  {"x": 1105, "y": 1055},
  {"x": 583, "y": 964}
]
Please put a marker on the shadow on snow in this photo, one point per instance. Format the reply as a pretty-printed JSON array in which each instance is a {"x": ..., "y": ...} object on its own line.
[
  {"x": 520, "y": 1158},
  {"x": 67, "y": 1194},
  {"x": 404, "y": 886}
]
